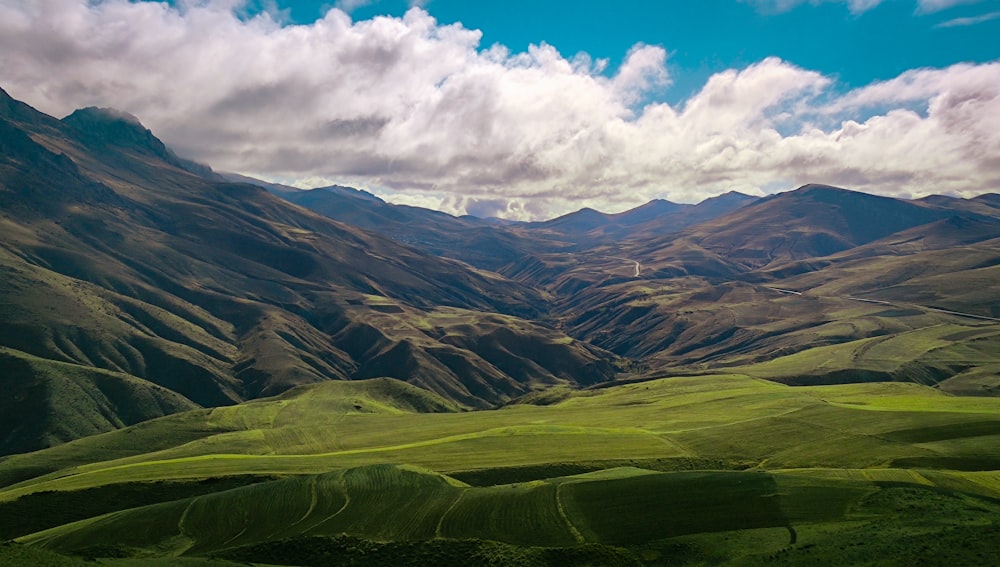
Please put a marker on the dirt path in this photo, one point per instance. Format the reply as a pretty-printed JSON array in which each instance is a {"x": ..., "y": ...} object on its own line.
[
  {"x": 638, "y": 266},
  {"x": 886, "y": 303}
]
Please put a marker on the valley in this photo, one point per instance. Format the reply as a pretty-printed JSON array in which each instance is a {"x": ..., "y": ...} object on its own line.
[{"x": 207, "y": 369}]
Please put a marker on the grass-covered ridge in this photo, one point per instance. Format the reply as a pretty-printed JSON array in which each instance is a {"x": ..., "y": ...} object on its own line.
[
  {"x": 723, "y": 417},
  {"x": 681, "y": 466}
]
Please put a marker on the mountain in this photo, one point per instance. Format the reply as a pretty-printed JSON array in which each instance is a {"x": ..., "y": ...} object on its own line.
[
  {"x": 575, "y": 224},
  {"x": 182, "y": 288},
  {"x": 469, "y": 239},
  {"x": 814, "y": 220},
  {"x": 990, "y": 199},
  {"x": 780, "y": 276},
  {"x": 588, "y": 228},
  {"x": 978, "y": 206},
  {"x": 952, "y": 264},
  {"x": 118, "y": 257}
]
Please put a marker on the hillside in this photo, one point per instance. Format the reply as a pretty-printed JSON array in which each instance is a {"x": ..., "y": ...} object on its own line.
[
  {"x": 820, "y": 468},
  {"x": 118, "y": 257},
  {"x": 471, "y": 240},
  {"x": 814, "y": 220},
  {"x": 698, "y": 300},
  {"x": 48, "y": 402}
]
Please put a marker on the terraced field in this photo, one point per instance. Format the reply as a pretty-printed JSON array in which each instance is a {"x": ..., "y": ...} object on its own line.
[{"x": 677, "y": 467}]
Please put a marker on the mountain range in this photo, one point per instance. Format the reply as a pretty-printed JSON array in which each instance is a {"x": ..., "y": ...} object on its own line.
[
  {"x": 138, "y": 284},
  {"x": 206, "y": 368}
]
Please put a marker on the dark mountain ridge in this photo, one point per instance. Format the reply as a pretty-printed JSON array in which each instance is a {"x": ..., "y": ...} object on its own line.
[
  {"x": 118, "y": 257},
  {"x": 814, "y": 220}
]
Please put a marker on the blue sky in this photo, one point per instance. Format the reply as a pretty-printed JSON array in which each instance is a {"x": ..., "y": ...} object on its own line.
[{"x": 530, "y": 109}]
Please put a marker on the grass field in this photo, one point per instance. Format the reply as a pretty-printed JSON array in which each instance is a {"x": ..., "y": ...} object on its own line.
[
  {"x": 677, "y": 468},
  {"x": 641, "y": 512}
]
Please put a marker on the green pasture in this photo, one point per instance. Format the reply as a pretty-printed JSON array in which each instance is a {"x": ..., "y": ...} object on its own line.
[
  {"x": 586, "y": 469},
  {"x": 642, "y": 511},
  {"x": 730, "y": 417}
]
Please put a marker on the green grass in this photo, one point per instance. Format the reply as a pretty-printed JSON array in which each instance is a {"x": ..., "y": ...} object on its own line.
[
  {"x": 721, "y": 418},
  {"x": 749, "y": 460},
  {"x": 48, "y": 402},
  {"x": 646, "y": 513},
  {"x": 640, "y": 509},
  {"x": 43, "y": 510},
  {"x": 521, "y": 514},
  {"x": 350, "y": 551}
]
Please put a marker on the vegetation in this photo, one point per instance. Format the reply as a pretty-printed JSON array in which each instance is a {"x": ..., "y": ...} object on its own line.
[{"x": 703, "y": 462}]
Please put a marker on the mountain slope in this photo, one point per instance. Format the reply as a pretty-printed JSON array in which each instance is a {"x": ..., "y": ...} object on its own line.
[
  {"x": 814, "y": 220},
  {"x": 781, "y": 276},
  {"x": 47, "y": 403},
  {"x": 119, "y": 257},
  {"x": 471, "y": 240}
]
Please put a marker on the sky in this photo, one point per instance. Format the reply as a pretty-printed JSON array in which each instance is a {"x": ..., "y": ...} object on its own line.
[{"x": 530, "y": 109}]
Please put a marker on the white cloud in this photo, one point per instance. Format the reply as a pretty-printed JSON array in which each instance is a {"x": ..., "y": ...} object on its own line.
[
  {"x": 782, "y": 6},
  {"x": 970, "y": 21},
  {"x": 930, "y": 6},
  {"x": 351, "y": 5},
  {"x": 419, "y": 109},
  {"x": 855, "y": 6}
]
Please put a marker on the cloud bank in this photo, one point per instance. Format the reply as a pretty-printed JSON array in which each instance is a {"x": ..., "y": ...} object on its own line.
[{"x": 422, "y": 113}]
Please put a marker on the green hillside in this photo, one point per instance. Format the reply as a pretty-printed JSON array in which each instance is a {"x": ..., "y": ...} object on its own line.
[
  {"x": 641, "y": 513},
  {"x": 639, "y": 470},
  {"x": 74, "y": 400}
]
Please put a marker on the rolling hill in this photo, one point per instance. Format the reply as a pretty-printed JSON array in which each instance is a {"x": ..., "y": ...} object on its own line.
[{"x": 635, "y": 473}]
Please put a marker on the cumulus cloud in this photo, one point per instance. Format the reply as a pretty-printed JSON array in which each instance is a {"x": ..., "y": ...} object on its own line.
[{"x": 421, "y": 113}]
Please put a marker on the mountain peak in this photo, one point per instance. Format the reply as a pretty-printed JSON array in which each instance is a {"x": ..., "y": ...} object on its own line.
[
  {"x": 729, "y": 197},
  {"x": 103, "y": 127},
  {"x": 657, "y": 208},
  {"x": 109, "y": 126},
  {"x": 820, "y": 188},
  {"x": 351, "y": 192},
  {"x": 830, "y": 195}
]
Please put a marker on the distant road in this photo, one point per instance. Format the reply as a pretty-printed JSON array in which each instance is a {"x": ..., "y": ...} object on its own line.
[
  {"x": 869, "y": 300},
  {"x": 784, "y": 290},
  {"x": 926, "y": 308},
  {"x": 959, "y": 313},
  {"x": 638, "y": 266},
  {"x": 891, "y": 304}
]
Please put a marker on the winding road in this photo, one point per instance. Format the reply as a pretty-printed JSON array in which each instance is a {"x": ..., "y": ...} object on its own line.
[{"x": 638, "y": 266}]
